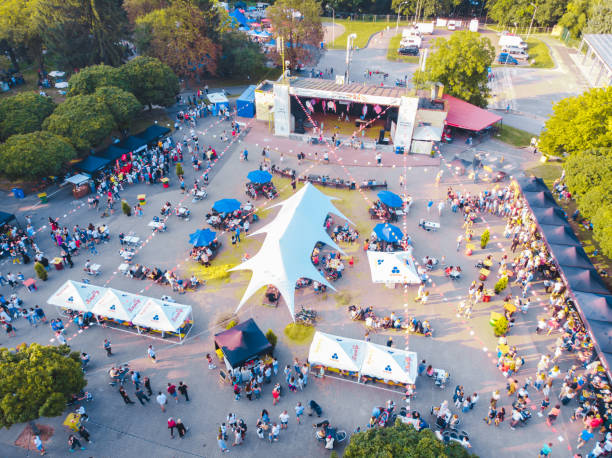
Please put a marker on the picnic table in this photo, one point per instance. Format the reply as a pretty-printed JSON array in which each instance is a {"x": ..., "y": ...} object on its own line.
[
  {"x": 157, "y": 225},
  {"x": 131, "y": 240},
  {"x": 95, "y": 269}
]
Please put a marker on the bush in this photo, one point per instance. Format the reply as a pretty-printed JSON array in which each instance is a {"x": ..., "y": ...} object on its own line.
[
  {"x": 127, "y": 210},
  {"x": 271, "y": 338},
  {"x": 41, "y": 272},
  {"x": 501, "y": 327},
  {"x": 179, "y": 170},
  {"x": 231, "y": 324},
  {"x": 484, "y": 239},
  {"x": 501, "y": 284}
]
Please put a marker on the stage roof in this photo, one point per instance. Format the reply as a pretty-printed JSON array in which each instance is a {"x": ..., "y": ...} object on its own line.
[{"x": 467, "y": 116}]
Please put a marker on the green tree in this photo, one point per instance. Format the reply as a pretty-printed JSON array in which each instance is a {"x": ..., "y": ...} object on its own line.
[
  {"x": 82, "y": 120},
  {"x": 136, "y": 8},
  {"x": 88, "y": 79},
  {"x": 151, "y": 81},
  {"x": 23, "y": 113},
  {"x": 461, "y": 64},
  {"x": 123, "y": 105},
  {"x": 600, "y": 18},
  {"x": 602, "y": 226},
  {"x": 19, "y": 38},
  {"x": 178, "y": 36},
  {"x": 484, "y": 239},
  {"x": 34, "y": 155},
  {"x": 579, "y": 123},
  {"x": 401, "y": 440},
  {"x": 241, "y": 56},
  {"x": 271, "y": 338},
  {"x": 79, "y": 33},
  {"x": 520, "y": 12},
  {"x": 302, "y": 32},
  {"x": 575, "y": 17},
  {"x": 36, "y": 381},
  {"x": 424, "y": 8},
  {"x": 125, "y": 207}
]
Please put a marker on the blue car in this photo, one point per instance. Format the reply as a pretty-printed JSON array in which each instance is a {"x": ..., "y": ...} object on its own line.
[{"x": 505, "y": 58}]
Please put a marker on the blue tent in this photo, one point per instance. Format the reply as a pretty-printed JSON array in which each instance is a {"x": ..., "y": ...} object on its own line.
[
  {"x": 390, "y": 199},
  {"x": 112, "y": 153},
  {"x": 240, "y": 18},
  {"x": 226, "y": 205},
  {"x": 259, "y": 176},
  {"x": 92, "y": 164},
  {"x": 388, "y": 232},
  {"x": 153, "y": 133},
  {"x": 245, "y": 105},
  {"x": 202, "y": 237},
  {"x": 133, "y": 143}
]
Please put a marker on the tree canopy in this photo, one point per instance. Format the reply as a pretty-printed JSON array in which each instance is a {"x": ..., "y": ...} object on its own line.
[
  {"x": 83, "y": 120},
  {"x": 123, "y": 105},
  {"x": 600, "y": 18},
  {"x": 579, "y": 123},
  {"x": 424, "y": 8},
  {"x": 88, "y": 79},
  {"x": 19, "y": 36},
  {"x": 36, "y": 381},
  {"x": 239, "y": 56},
  {"x": 23, "y": 113},
  {"x": 151, "y": 81},
  {"x": 460, "y": 63},
  {"x": 302, "y": 35},
  {"x": 520, "y": 12},
  {"x": 575, "y": 17},
  {"x": 401, "y": 440},
  {"x": 178, "y": 36}
]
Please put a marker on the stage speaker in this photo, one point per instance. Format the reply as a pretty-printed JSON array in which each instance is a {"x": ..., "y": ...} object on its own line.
[
  {"x": 299, "y": 126},
  {"x": 381, "y": 136},
  {"x": 388, "y": 123}
]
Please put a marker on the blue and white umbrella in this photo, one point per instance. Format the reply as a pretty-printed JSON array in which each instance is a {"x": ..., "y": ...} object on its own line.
[
  {"x": 390, "y": 199},
  {"x": 388, "y": 232},
  {"x": 259, "y": 176},
  {"x": 226, "y": 205}
]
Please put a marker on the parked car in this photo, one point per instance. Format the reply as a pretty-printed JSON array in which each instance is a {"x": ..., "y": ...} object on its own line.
[
  {"x": 409, "y": 51},
  {"x": 505, "y": 58},
  {"x": 516, "y": 52}
]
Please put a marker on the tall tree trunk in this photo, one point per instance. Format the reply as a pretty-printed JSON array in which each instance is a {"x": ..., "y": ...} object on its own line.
[{"x": 13, "y": 58}]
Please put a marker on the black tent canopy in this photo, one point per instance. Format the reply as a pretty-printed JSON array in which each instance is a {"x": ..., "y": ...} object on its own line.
[
  {"x": 553, "y": 216},
  {"x": 584, "y": 280},
  {"x": 541, "y": 199},
  {"x": 6, "y": 218},
  {"x": 112, "y": 153},
  {"x": 560, "y": 235},
  {"x": 133, "y": 143},
  {"x": 92, "y": 164},
  {"x": 571, "y": 256},
  {"x": 242, "y": 343},
  {"x": 153, "y": 133},
  {"x": 533, "y": 184}
]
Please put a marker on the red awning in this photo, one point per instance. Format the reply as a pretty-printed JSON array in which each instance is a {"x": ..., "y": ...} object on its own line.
[{"x": 467, "y": 116}]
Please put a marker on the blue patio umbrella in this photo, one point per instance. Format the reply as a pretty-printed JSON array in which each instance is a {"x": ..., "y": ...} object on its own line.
[
  {"x": 202, "y": 237},
  {"x": 226, "y": 205},
  {"x": 388, "y": 232},
  {"x": 259, "y": 176},
  {"x": 390, "y": 199}
]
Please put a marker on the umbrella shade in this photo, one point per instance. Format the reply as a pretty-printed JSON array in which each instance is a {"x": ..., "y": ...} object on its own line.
[
  {"x": 259, "y": 176},
  {"x": 202, "y": 237},
  {"x": 388, "y": 232},
  {"x": 226, "y": 205},
  {"x": 390, "y": 199}
]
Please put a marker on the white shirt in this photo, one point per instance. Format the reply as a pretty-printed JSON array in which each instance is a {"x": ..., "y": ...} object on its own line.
[
  {"x": 284, "y": 417},
  {"x": 161, "y": 399}
]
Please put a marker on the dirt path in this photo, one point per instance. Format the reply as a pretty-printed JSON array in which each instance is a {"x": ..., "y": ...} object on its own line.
[{"x": 332, "y": 32}]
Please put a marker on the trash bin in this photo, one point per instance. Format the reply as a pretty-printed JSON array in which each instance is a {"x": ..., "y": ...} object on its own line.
[
  {"x": 18, "y": 193},
  {"x": 43, "y": 197},
  {"x": 142, "y": 199},
  {"x": 399, "y": 150}
]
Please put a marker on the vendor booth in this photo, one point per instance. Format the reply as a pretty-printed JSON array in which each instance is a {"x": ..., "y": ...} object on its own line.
[
  {"x": 77, "y": 296},
  {"x": 245, "y": 105},
  {"x": 80, "y": 185},
  {"x": 393, "y": 268},
  {"x": 165, "y": 318},
  {"x": 118, "y": 306},
  {"x": 219, "y": 102},
  {"x": 92, "y": 164},
  {"x": 112, "y": 153},
  {"x": 133, "y": 143},
  {"x": 242, "y": 344},
  {"x": 389, "y": 365},
  {"x": 152, "y": 134},
  {"x": 337, "y": 354}
]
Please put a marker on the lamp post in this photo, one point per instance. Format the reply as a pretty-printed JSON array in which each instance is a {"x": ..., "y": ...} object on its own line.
[
  {"x": 333, "y": 23},
  {"x": 532, "y": 17},
  {"x": 349, "y": 49},
  {"x": 399, "y": 10}
]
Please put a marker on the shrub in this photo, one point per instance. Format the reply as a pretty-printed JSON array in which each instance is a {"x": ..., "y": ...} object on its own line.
[
  {"x": 501, "y": 284},
  {"x": 501, "y": 327},
  {"x": 179, "y": 170},
  {"x": 127, "y": 210},
  {"x": 484, "y": 239},
  {"x": 231, "y": 324},
  {"x": 271, "y": 338},
  {"x": 41, "y": 272}
]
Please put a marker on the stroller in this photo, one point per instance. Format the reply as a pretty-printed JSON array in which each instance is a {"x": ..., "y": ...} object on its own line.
[{"x": 314, "y": 408}]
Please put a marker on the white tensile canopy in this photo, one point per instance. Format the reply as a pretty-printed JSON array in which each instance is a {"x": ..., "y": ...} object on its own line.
[
  {"x": 389, "y": 363},
  {"x": 119, "y": 305},
  {"x": 285, "y": 255},
  {"x": 395, "y": 267},
  {"x": 77, "y": 296},
  {"x": 338, "y": 352},
  {"x": 162, "y": 316}
]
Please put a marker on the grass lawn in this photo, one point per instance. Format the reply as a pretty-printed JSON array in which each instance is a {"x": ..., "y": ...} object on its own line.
[
  {"x": 539, "y": 52},
  {"x": 392, "y": 53},
  {"x": 299, "y": 334},
  {"x": 514, "y": 136},
  {"x": 363, "y": 29}
]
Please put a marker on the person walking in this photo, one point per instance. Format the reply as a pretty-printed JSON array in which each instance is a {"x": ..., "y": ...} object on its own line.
[
  {"x": 84, "y": 433},
  {"x": 125, "y": 396},
  {"x": 147, "y": 385},
  {"x": 299, "y": 411},
  {"x": 181, "y": 428},
  {"x": 141, "y": 396},
  {"x": 221, "y": 442},
  {"x": 274, "y": 432},
  {"x": 39, "y": 445},
  {"x": 284, "y": 419},
  {"x": 151, "y": 353},
  {"x": 107, "y": 347},
  {"x": 276, "y": 394},
  {"x": 135, "y": 379},
  {"x": 182, "y": 388},
  {"x": 73, "y": 443},
  {"x": 172, "y": 391},
  {"x": 171, "y": 426},
  {"x": 162, "y": 400}
]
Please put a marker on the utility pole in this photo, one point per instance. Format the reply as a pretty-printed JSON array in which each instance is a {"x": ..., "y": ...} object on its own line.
[
  {"x": 399, "y": 10},
  {"x": 532, "y": 17},
  {"x": 349, "y": 50}
]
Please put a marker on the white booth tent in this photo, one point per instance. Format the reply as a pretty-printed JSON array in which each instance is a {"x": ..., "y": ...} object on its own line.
[
  {"x": 74, "y": 295},
  {"x": 218, "y": 101},
  {"x": 338, "y": 352},
  {"x": 285, "y": 255},
  {"x": 162, "y": 316},
  {"x": 389, "y": 363},
  {"x": 119, "y": 305},
  {"x": 363, "y": 358},
  {"x": 394, "y": 267}
]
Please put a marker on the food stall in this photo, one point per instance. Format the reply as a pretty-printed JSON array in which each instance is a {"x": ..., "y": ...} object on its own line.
[
  {"x": 242, "y": 345},
  {"x": 118, "y": 307},
  {"x": 80, "y": 185},
  {"x": 332, "y": 353},
  {"x": 391, "y": 366},
  {"x": 77, "y": 296},
  {"x": 165, "y": 318}
]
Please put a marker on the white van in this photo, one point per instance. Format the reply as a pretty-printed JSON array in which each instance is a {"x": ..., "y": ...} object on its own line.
[
  {"x": 451, "y": 25},
  {"x": 516, "y": 52},
  {"x": 512, "y": 40}
]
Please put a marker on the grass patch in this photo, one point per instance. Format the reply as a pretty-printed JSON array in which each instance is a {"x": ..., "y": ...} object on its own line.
[
  {"x": 539, "y": 53},
  {"x": 394, "y": 55},
  {"x": 214, "y": 273},
  {"x": 549, "y": 172},
  {"x": 363, "y": 29},
  {"x": 148, "y": 117},
  {"x": 299, "y": 334},
  {"x": 343, "y": 298},
  {"x": 514, "y": 136}
]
